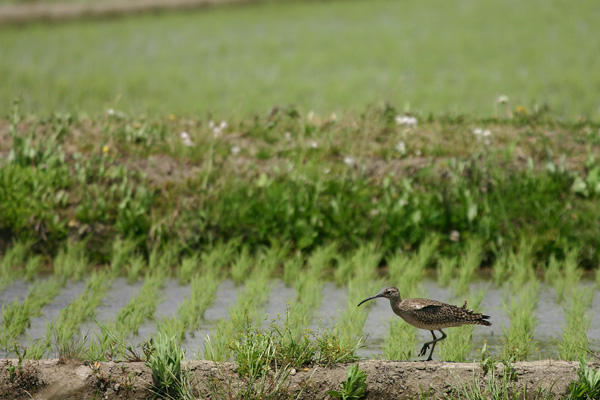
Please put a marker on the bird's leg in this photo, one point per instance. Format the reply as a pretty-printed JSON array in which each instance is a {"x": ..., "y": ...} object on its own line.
[
  {"x": 434, "y": 342},
  {"x": 426, "y": 345}
]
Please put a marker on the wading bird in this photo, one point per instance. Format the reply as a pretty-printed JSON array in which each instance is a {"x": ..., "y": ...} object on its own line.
[{"x": 431, "y": 315}]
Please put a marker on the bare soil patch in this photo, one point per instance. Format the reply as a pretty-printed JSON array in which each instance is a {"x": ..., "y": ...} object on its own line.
[{"x": 51, "y": 379}]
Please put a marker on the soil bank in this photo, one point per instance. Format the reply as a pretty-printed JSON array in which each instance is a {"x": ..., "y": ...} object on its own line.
[{"x": 52, "y": 379}]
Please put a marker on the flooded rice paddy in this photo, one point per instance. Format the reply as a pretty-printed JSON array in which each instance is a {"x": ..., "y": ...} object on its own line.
[{"x": 549, "y": 313}]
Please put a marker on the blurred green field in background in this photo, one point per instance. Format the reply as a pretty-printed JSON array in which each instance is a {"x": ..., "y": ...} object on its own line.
[{"x": 434, "y": 56}]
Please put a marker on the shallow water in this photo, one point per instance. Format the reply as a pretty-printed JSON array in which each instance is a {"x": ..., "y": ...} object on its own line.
[{"x": 550, "y": 315}]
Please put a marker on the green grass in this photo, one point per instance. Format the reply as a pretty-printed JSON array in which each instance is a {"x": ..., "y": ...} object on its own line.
[
  {"x": 17, "y": 316},
  {"x": 467, "y": 266},
  {"x": 575, "y": 344},
  {"x": 12, "y": 263},
  {"x": 517, "y": 339},
  {"x": 71, "y": 262},
  {"x": 242, "y": 60},
  {"x": 63, "y": 332},
  {"x": 361, "y": 279},
  {"x": 244, "y": 312}
]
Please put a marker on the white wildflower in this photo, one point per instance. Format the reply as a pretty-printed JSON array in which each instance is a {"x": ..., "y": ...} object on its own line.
[
  {"x": 235, "y": 150},
  {"x": 349, "y": 161},
  {"x": 185, "y": 138},
  {"x": 418, "y": 153},
  {"x": 111, "y": 111},
  {"x": 455, "y": 236},
  {"x": 400, "y": 147},
  {"x": 406, "y": 120},
  {"x": 482, "y": 132},
  {"x": 327, "y": 170},
  {"x": 314, "y": 145},
  {"x": 288, "y": 136},
  {"x": 217, "y": 129},
  {"x": 482, "y": 135},
  {"x": 502, "y": 99}
]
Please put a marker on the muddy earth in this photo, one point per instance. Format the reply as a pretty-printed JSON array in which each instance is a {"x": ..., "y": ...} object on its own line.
[{"x": 52, "y": 379}]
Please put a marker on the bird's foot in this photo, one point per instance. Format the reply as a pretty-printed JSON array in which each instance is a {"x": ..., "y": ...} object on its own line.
[{"x": 424, "y": 350}]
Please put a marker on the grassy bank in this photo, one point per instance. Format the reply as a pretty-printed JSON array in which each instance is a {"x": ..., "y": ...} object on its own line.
[{"x": 303, "y": 179}]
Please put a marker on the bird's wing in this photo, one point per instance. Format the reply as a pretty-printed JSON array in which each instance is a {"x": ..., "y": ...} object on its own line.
[{"x": 426, "y": 305}]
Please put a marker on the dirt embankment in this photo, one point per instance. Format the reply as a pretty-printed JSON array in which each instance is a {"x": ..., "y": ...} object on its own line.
[
  {"x": 48, "y": 11},
  {"x": 50, "y": 379}
]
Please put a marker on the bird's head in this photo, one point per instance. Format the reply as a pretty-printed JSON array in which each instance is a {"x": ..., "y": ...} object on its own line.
[{"x": 390, "y": 293}]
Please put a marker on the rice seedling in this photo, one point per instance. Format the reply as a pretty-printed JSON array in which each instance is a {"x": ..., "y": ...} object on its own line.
[
  {"x": 502, "y": 268},
  {"x": 12, "y": 261},
  {"x": 323, "y": 257},
  {"x": 406, "y": 271},
  {"x": 187, "y": 269},
  {"x": 219, "y": 256},
  {"x": 164, "y": 258},
  {"x": 362, "y": 283},
  {"x": 191, "y": 311},
  {"x": 205, "y": 280},
  {"x": 122, "y": 250},
  {"x": 134, "y": 266},
  {"x": 16, "y": 316},
  {"x": 309, "y": 285},
  {"x": 309, "y": 296},
  {"x": 109, "y": 342},
  {"x": 552, "y": 274},
  {"x": 243, "y": 313},
  {"x": 240, "y": 268},
  {"x": 467, "y": 267},
  {"x": 291, "y": 269},
  {"x": 32, "y": 267},
  {"x": 445, "y": 270},
  {"x": 71, "y": 262},
  {"x": 564, "y": 276},
  {"x": 456, "y": 347},
  {"x": 141, "y": 306},
  {"x": 63, "y": 331},
  {"x": 400, "y": 340},
  {"x": 271, "y": 257},
  {"x": 426, "y": 252},
  {"x": 574, "y": 344},
  {"x": 518, "y": 337},
  {"x": 522, "y": 263}
]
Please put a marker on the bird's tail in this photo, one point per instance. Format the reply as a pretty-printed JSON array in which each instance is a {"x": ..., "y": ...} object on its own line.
[
  {"x": 482, "y": 320},
  {"x": 475, "y": 318}
]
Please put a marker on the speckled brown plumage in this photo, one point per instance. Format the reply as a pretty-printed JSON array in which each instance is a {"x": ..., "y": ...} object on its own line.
[{"x": 430, "y": 315}]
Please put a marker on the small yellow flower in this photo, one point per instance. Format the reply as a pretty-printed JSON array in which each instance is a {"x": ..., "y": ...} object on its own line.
[
  {"x": 105, "y": 149},
  {"x": 172, "y": 117},
  {"x": 521, "y": 110}
]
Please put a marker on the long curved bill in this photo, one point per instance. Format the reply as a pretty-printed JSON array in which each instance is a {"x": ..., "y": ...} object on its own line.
[{"x": 370, "y": 298}]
